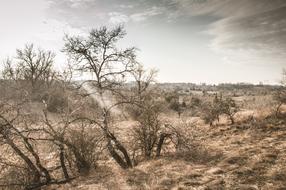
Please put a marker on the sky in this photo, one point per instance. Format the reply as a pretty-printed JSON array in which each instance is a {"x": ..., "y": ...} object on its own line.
[{"x": 196, "y": 41}]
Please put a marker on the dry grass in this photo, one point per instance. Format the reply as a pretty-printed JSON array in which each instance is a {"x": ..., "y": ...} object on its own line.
[{"x": 228, "y": 157}]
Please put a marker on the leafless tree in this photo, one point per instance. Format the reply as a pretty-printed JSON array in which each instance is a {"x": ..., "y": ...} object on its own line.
[
  {"x": 32, "y": 66},
  {"x": 280, "y": 94},
  {"x": 150, "y": 133},
  {"x": 219, "y": 106},
  {"x": 229, "y": 108},
  {"x": 24, "y": 135},
  {"x": 98, "y": 55},
  {"x": 15, "y": 130}
]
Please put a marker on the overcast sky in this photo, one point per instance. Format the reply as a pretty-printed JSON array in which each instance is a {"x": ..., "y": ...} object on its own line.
[{"x": 210, "y": 41}]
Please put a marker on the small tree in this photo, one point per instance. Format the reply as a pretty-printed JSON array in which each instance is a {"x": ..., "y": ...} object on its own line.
[
  {"x": 280, "y": 94},
  {"x": 174, "y": 103},
  {"x": 32, "y": 66},
  {"x": 209, "y": 113},
  {"x": 149, "y": 134},
  {"x": 230, "y": 108},
  {"x": 77, "y": 137},
  {"x": 219, "y": 106},
  {"x": 15, "y": 130},
  {"x": 146, "y": 134}
]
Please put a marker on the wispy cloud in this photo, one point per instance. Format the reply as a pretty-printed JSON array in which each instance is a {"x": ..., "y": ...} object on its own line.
[
  {"x": 118, "y": 18},
  {"x": 153, "y": 11},
  {"x": 247, "y": 30},
  {"x": 236, "y": 32}
]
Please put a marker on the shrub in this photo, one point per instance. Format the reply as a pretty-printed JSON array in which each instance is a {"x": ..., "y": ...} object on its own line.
[
  {"x": 15, "y": 178},
  {"x": 85, "y": 146},
  {"x": 219, "y": 106},
  {"x": 146, "y": 134},
  {"x": 56, "y": 101}
]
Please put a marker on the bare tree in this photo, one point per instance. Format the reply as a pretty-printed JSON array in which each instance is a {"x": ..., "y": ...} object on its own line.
[
  {"x": 98, "y": 55},
  {"x": 24, "y": 135},
  {"x": 280, "y": 94},
  {"x": 229, "y": 108},
  {"x": 143, "y": 80},
  {"x": 32, "y": 66},
  {"x": 219, "y": 106},
  {"x": 173, "y": 100},
  {"x": 14, "y": 129},
  {"x": 150, "y": 134},
  {"x": 209, "y": 113},
  {"x": 35, "y": 66}
]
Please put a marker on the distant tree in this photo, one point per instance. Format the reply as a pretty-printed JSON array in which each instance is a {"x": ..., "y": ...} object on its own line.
[
  {"x": 230, "y": 108},
  {"x": 33, "y": 66},
  {"x": 219, "y": 106},
  {"x": 143, "y": 80},
  {"x": 195, "y": 102},
  {"x": 174, "y": 103},
  {"x": 209, "y": 113},
  {"x": 280, "y": 94}
]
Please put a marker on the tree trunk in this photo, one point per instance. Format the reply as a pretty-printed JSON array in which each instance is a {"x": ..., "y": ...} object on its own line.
[
  {"x": 160, "y": 144},
  {"x": 124, "y": 162},
  {"x": 82, "y": 165},
  {"x": 62, "y": 161},
  {"x": 278, "y": 110},
  {"x": 115, "y": 155},
  {"x": 231, "y": 119},
  {"x": 27, "y": 160},
  {"x": 37, "y": 159}
]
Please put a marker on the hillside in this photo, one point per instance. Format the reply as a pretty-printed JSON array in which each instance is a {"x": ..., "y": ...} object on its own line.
[{"x": 245, "y": 156}]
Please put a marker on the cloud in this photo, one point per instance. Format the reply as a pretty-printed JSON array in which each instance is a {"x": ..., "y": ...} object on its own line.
[
  {"x": 118, "y": 18},
  {"x": 125, "y": 6},
  {"x": 153, "y": 11},
  {"x": 102, "y": 11},
  {"x": 241, "y": 30},
  {"x": 80, "y": 3},
  {"x": 246, "y": 30}
]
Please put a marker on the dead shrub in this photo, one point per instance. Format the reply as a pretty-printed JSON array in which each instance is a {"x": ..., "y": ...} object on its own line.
[
  {"x": 188, "y": 146},
  {"x": 84, "y": 148},
  {"x": 16, "y": 178},
  {"x": 56, "y": 101}
]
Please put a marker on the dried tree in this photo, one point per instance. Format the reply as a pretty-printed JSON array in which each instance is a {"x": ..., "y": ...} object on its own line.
[
  {"x": 15, "y": 131},
  {"x": 98, "y": 55},
  {"x": 280, "y": 94},
  {"x": 32, "y": 66}
]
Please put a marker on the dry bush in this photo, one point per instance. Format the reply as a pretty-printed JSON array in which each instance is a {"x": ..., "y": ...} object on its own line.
[
  {"x": 212, "y": 111},
  {"x": 173, "y": 101},
  {"x": 209, "y": 113},
  {"x": 16, "y": 129},
  {"x": 16, "y": 178},
  {"x": 280, "y": 98},
  {"x": 188, "y": 145},
  {"x": 85, "y": 147},
  {"x": 57, "y": 101},
  {"x": 147, "y": 133}
]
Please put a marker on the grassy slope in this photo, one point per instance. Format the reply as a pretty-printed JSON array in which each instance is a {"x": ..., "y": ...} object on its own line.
[{"x": 250, "y": 155}]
